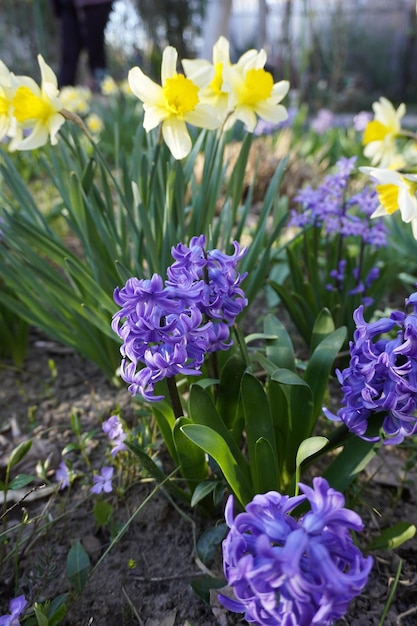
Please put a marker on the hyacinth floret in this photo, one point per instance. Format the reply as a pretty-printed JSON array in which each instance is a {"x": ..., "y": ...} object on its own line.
[
  {"x": 168, "y": 327},
  {"x": 222, "y": 298},
  {"x": 381, "y": 379},
  {"x": 289, "y": 572}
]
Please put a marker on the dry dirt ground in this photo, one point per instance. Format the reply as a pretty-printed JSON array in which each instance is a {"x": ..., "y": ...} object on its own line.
[{"x": 37, "y": 402}]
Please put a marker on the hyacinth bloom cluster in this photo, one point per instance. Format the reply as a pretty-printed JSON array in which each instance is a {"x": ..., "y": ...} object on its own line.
[
  {"x": 293, "y": 572},
  {"x": 382, "y": 376},
  {"x": 167, "y": 328},
  {"x": 328, "y": 206}
]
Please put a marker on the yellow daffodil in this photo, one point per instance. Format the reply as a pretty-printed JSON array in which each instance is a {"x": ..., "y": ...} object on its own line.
[
  {"x": 37, "y": 108},
  {"x": 94, "y": 124},
  {"x": 380, "y": 133},
  {"x": 209, "y": 76},
  {"x": 252, "y": 91},
  {"x": 7, "y": 124},
  {"x": 76, "y": 99},
  {"x": 172, "y": 104},
  {"x": 108, "y": 86},
  {"x": 395, "y": 192}
]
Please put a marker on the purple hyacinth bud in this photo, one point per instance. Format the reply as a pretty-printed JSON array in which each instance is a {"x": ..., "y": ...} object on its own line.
[{"x": 285, "y": 571}]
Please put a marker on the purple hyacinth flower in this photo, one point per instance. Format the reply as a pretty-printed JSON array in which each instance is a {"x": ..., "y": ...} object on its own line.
[
  {"x": 16, "y": 607},
  {"x": 381, "y": 378},
  {"x": 289, "y": 572},
  {"x": 167, "y": 328},
  {"x": 102, "y": 481}
]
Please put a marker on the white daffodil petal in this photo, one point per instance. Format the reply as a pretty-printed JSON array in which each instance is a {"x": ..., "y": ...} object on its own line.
[
  {"x": 382, "y": 175},
  {"x": 247, "y": 116},
  {"x": 175, "y": 134},
  {"x": 204, "y": 116},
  {"x": 379, "y": 212},
  {"x": 55, "y": 124},
  {"x": 47, "y": 74},
  {"x": 37, "y": 138},
  {"x": 154, "y": 115},
  {"x": 169, "y": 63},
  {"x": 143, "y": 87},
  {"x": 280, "y": 90},
  {"x": 407, "y": 204},
  {"x": 272, "y": 112},
  {"x": 200, "y": 72},
  {"x": 221, "y": 50}
]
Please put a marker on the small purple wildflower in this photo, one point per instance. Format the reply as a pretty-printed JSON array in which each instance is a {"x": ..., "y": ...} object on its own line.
[
  {"x": 114, "y": 429},
  {"x": 288, "y": 572},
  {"x": 16, "y": 607},
  {"x": 361, "y": 120},
  {"x": 102, "y": 482},
  {"x": 168, "y": 328},
  {"x": 323, "y": 121},
  {"x": 63, "y": 476},
  {"x": 382, "y": 376}
]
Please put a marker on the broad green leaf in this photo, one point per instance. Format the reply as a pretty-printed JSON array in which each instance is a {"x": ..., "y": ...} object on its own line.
[
  {"x": 102, "y": 512},
  {"x": 191, "y": 458},
  {"x": 350, "y": 462},
  {"x": 266, "y": 470},
  {"x": 165, "y": 419},
  {"x": 309, "y": 447},
  {"x": 20, "y": 481},
  {"x": 213, "y": 443},
  {"x": 258, "y": 426},
  {"x": 19, "y": 452},
  {"x": 320, "y": 364},
  {"x": 298, "y": 415},
  {"x": 209, "y": 540},
  {"x": 204, "y": 584},
  {"x": 323, "y": 326},
  {"x": 202, "y": 410},
  {"x": 55, "y": 617},
  {"x": 229, "y": 389},
  {"x": 78, "y": 567},
  {"x": 41, "y": 618},
  {"x": 202, "y": 490},
  {"x": 280, "y": 349},
  {"x": 393, "y": 537}
]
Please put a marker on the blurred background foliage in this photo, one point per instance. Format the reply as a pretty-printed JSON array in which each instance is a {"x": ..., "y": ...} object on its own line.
[{"x": 340, "y": 54}]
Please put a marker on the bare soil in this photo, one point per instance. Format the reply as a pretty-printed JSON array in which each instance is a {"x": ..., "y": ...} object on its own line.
[{"x": 37, "y": 402}]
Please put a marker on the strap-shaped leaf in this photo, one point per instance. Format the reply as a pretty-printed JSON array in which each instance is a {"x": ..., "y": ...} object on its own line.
[
  {"x": 279, "y": 350},
  {"x": 320, "y": 365},
  {"x": 214, "y": 444},
  {"x": 323, "y": 326},
  {"x": 191, "y": 458},
  {"x": 203, "y": 411},
  {"x": 229, "y": 389},
  {"x": 258, "y": 422}
]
